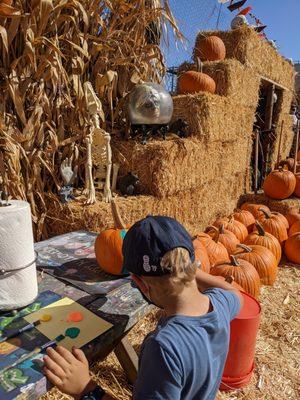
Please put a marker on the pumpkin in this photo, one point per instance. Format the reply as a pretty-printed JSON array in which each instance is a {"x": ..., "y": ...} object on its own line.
[
  {"x": 292, "y": 216},
  {"x": 292, "y": 248},
  {"x": 201, "y": 255},
  {"x": 295, "y": 228},
  {"x": 210, "y": 48},
  {"x": 297, "y": 188},
  {"x": 227, "y": 238},
  {"x": 234, "y": 226},
  {"x": 230, "y": 279},
  {"x": 276, "y": 224},
  {"x": 262, "y": 238},
  {"x": 246, "y": 218},
  {"x": 262, "y": 259},
  {"x": 279, "y": 184},
  {"x": 216, "y": 251},
  {"x": 196, "y": 81},
  {"x": 108, "y": 245},
  {"x": 243, "y": 273},
  {"x": 254, "y": 209}
]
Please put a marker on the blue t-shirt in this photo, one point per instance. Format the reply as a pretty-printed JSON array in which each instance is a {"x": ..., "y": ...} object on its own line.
[{"x": 184, "y": 358}]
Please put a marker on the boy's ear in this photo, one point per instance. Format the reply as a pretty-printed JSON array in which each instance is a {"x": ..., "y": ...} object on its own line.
[{"x": 140, "y": 283}]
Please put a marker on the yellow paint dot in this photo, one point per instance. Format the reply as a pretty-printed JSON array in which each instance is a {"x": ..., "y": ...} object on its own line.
[{"x": 46, "y": 318}]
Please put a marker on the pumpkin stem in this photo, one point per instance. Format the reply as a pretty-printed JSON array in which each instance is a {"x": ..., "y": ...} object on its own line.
[
  {"x": 260, "y": 228},
  {"x": 244, "y": 247},
  {"x": 229, "y": 279},
  {"x": 118, "y": 221},
  {"x": 221, "y": 229},
  {"x": 199, "y": 65},
  {"x": 266, "y": 214},
  {"x": 234, "y": 261}
]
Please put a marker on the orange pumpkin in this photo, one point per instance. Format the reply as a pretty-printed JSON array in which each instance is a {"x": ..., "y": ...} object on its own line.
[
  {"x": 243, "y": 273},
  {"x": 262, "y": 259},
  {"x": 108, "y": 246},
  {"x": 254, "y": 209},
  {"x": 276, "y": 224},
  {"x": 297, "y": 188},
  {"x": 191, "y": 82},
  {"x": 246, "y": 218},
  {"x": 295, "y": 228},
  {"x": 292, "y": 216},
  {"x": 216, "y": 251},
  {"x": 292, "y": 248},
  {"x": 210, "y": 48},
  {"x": 279, "y": 184},
  {"x": 227, "y": 238},
  {"x": 262, "y": 238},
  {"x": 201, "y": 255},
  {"x": 233, "y": 226}
]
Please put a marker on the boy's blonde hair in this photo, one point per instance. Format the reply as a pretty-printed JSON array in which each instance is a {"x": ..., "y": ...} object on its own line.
[{"x": 181, "y": 269}]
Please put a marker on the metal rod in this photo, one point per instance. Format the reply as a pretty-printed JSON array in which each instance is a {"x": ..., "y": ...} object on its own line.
[
  {"x": 297, "y": 146},
  {"x": 279, "y": 144},
  {"x": 256, "y": 162}
]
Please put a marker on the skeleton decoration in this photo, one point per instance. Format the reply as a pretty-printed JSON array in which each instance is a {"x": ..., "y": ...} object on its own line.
[
  {"x": 68, "y": 175},
  {"x": 99, "y": 152},
  {"x": 150, "y": 107}
]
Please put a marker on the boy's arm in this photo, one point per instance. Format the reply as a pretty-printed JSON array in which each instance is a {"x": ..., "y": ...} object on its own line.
[{"x": 206, "y": 281}]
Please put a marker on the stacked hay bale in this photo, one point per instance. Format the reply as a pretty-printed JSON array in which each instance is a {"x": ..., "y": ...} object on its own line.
[{"x": 201, "y": 177}]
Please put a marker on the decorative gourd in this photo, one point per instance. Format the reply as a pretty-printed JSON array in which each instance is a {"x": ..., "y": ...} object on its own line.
[
  {"x": 227, "y": 238},
  {"x": 108, "y": 245},
  {"x": 243, "y": 273},
  {"x": 279, "y": 184},
  {"x": 262, "y": 259},
  {"x": 196, "y": 81},
  {"x": 233, "y": 226},
  {"x": 201, "y": 255},
  {"x": 292, "y": 216},
  {"x": 276, "y": 224},
  {"x": 254, "y": 209},
  {"x": 210, "y": 48},
  {"x": 295, "y": 228},
  {"x": 216, "y": 251},
  {"x": 265, "y": 239},
  {"x": 292, "y": 248},
  {"x": 297, "y": 188},
  {"x": 245, "y": 217}
]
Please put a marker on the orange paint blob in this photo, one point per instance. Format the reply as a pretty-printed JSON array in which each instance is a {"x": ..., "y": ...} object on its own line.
[{"x": 75, "y": 317}]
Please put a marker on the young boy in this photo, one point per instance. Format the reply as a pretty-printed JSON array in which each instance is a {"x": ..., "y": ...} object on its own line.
[{"x": 184, "y": 357}]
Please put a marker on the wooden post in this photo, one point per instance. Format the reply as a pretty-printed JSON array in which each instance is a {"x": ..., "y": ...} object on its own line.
[
  {"x": 128, "y": 359},
  {"x": 269, "y": 107},
  {"x": 256, "y": 161},
  {"x": 279, "y": 144},
  {"x": 297, "y": 145}
]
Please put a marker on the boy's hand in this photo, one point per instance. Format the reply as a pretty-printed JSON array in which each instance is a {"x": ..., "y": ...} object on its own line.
[{"x": 68, "y": 371}]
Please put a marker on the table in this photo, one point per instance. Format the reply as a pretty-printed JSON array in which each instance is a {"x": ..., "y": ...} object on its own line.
[{"x": 123, "y": 306}]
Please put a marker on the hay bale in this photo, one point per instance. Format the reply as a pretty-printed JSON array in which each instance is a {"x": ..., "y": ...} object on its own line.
[
  {"x": 168, "y": 167},
  {"x": 282, "y": 206},
  {"x": 287, "y": 138},
  {"x": 214, "y": 118},
  {"x": 233, "y": 80},
  {"x": 246, "y": 46},
  {"x": 195, "y": 208}
]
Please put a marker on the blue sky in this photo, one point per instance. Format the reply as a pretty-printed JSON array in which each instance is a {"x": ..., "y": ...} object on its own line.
[{"x": 281, "y": 16}]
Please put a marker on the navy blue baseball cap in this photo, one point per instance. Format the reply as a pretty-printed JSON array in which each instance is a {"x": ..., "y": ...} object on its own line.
[{"x": 148, "y": 240}]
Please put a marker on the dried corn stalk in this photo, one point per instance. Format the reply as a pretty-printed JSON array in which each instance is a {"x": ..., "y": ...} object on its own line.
[{"x": 48, "y": 50}]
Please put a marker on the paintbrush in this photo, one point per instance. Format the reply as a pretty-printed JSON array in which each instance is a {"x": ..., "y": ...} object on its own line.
[
  {"x": 19, "y": 331},
  {"x": 34, "y": 352}
]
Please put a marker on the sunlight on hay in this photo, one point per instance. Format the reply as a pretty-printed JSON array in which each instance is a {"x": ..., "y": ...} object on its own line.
[{"x": 277, "y": 352}]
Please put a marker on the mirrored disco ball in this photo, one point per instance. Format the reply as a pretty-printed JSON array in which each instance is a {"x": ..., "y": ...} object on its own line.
[{"x": 150, "y": 104}]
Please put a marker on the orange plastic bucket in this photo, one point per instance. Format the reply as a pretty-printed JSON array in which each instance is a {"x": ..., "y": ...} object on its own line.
[{"x": 243, "y": 332}]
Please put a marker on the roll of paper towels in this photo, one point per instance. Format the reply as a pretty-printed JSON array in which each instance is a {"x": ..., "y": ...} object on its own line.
[{"x": 18, "y": 280}]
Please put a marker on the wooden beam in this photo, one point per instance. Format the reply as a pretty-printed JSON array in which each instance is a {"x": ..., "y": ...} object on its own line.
[
  {"x": 269, "y": 107},
  {"x": 128, "y": 359},
  {"x": 277, "y": 85}
]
